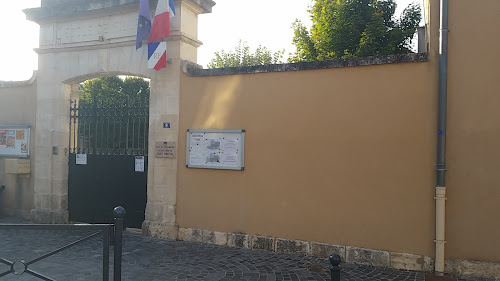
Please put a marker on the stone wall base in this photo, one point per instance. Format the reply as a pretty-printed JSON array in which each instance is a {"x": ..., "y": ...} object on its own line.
[
  {"x": 25, "y": 214},
  {"x": 348, "y": 254},
  {"x": 49, "y": 216},
  {"x": 475, "y": 269},
  {"x": 160, "y": 230}
]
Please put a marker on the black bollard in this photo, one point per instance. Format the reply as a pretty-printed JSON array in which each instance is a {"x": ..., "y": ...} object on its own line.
[
  {"x": 119, "y": 216},
  {"x": 335, "y": 270}
]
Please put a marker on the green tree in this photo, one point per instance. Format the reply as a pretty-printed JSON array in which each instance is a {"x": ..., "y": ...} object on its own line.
[
  {"x": 241, "y": 56},
  {"x": 113, "y": 89},
  {"x": 120, "y": 101},
  {"x": 354, "y": 28}
]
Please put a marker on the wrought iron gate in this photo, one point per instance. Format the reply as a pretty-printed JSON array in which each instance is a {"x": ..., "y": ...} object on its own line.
[{"x": 108, "y": 159}]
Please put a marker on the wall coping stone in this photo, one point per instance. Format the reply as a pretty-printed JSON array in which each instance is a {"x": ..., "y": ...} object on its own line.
[
  {"x": 192, "y": 69},
  {"x": 10, "y": 84}
]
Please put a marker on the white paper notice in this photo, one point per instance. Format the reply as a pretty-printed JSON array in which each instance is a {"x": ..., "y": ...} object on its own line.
[
  {"x": 197, "y": 140},
  {"x": 139, "y": 163},
  {"x": 229, "y": 159},
  {"x": 213, "y": 158},
  {"x": 231, "y": 144},
  {"x": 81, "y": 159},
  {"x": 213, "y": 144},
  {"x": 196, "y": 159}
]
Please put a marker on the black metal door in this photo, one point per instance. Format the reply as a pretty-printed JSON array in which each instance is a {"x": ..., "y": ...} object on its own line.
[
  {"x": 110, "y": 136},
  {"x": 107, "y": 181}
]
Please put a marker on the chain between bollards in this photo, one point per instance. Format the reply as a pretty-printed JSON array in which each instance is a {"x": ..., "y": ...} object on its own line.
[
  {"x": 335, "y": 270},
  {"x": 119, "y": 217}
]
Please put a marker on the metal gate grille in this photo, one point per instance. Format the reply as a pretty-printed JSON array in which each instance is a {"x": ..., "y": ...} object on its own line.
[
  {"x": 113, "y": 134},
  {"x": 109, "y": 127}
]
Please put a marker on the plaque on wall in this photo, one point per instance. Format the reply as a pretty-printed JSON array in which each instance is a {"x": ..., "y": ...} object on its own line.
[{"x": 165, "y": 149}]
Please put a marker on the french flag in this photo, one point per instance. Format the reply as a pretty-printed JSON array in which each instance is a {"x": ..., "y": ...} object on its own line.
[
  {"x": 165, "y": 10},
  {"x": 157, "y": 55}
]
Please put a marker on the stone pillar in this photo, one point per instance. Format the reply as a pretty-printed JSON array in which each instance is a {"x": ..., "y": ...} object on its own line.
[
  {"x": 85, "y": 39},
  {"x": 164, "y": 108}
]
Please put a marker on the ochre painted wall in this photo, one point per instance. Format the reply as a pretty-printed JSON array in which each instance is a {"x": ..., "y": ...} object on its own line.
[
  {"x": 344, "y": 156},
  {"x": 17, "y": 107},
  {"x": 473, "y": 139},
  {"x": 347, "y": 156}
]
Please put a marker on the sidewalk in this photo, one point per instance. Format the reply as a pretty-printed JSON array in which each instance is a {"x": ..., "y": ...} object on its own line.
[{"x": 151, "y": 259}]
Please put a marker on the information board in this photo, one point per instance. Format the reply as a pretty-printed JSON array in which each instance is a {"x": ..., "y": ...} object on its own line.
[
  {"x": 15, "y": 141},
  {"x": 215, "y": 149}
]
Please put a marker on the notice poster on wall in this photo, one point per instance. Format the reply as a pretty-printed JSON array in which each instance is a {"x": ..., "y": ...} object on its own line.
[
  {"x": 14, "y": 141},
  {"x": 215, "y": 149}
]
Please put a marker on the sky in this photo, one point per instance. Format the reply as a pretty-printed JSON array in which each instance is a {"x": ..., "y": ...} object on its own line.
[{"x": 257, "y": 22}]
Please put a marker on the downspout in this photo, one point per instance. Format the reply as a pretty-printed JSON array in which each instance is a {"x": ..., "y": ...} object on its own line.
[{"x": 441, "y": 149}]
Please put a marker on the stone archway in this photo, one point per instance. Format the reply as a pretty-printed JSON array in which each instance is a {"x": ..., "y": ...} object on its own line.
[{"x": 81, "y": 39}]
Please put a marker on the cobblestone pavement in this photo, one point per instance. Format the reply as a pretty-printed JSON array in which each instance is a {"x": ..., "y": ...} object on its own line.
[{"x": 154, "y": 259}]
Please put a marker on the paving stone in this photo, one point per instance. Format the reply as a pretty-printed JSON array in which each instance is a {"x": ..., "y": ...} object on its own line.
[{"x": 153, "y": 259}]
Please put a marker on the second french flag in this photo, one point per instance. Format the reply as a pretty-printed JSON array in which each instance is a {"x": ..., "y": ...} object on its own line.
[{"x": 161, "y": 22}]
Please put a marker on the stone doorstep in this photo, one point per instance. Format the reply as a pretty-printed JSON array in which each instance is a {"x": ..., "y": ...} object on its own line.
[{"x": 348, "y": 254}]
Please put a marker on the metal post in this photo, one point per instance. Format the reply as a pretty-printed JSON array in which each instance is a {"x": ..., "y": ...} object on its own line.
[
  {"x": 335, "y": 270},
  {"x": 119, "y": 216}
]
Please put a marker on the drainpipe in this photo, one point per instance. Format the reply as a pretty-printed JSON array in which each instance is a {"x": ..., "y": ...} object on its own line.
[{"x": 441, "y": 149}]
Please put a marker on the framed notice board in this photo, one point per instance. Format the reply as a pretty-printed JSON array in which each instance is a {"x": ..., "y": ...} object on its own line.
[
  {"x": 215, "y": 149},
  {"x": 15, "y": 141}
]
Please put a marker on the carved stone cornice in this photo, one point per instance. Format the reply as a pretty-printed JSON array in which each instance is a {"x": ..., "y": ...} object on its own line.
[
  {"x": 126, "y": 42},
  {"x": 62, "y": 10},
  {"x": 197, "y": 6},
  {"x": 84, "y": 10}
]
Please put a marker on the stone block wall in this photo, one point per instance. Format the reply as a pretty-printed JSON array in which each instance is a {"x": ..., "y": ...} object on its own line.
[{"x": 18, "y": 107}]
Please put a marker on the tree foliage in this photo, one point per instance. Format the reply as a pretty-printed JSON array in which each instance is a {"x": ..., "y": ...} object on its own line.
[
  {"x": 114, "y": 89},
  {"x": 354, "y": 28},
  {"x": 121, "y": 101},
  {"x": 241, "y": 56}
]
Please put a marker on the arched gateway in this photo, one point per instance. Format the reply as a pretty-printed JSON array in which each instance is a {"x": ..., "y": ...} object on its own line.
[{"x": 82, "y": 39}]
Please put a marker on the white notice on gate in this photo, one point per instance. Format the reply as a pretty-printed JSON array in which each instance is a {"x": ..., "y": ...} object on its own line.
[
  {"x": 139, "y": 163},
  {"x": 81, "y": 159}
]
